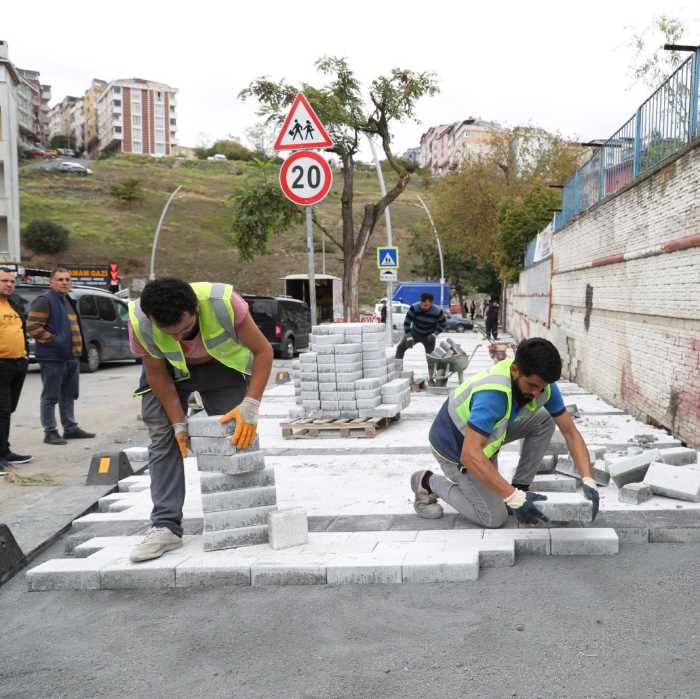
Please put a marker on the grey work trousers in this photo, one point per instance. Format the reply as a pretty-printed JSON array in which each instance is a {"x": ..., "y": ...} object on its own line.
[
  {"x": 221, "y": 389},
  {"x": 471, "y": 498}
]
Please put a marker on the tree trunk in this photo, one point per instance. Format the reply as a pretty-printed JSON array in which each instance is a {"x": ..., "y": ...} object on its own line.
[{"x": 349, "y": 288}]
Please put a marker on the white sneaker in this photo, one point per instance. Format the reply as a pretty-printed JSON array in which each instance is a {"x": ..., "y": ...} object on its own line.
[{"x": 158, "y": 540}]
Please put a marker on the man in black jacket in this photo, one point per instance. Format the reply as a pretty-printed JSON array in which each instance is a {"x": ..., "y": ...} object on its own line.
[
  {"x": 13, "y": 364},
  {"x": 423, "y": 323}
]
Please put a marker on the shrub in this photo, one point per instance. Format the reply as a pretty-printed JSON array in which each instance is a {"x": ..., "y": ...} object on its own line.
[
  {"x": 45, "y": 237},
  {"x": 128, "y": 191}
]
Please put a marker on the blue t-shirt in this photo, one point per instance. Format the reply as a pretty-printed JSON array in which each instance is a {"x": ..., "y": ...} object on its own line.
[{"x": 487, "y": 408}]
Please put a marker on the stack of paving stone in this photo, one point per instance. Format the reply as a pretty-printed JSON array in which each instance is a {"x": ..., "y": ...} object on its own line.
[
  {"x": 238, "y": 492},
  {"x": 346, "y": 374}
]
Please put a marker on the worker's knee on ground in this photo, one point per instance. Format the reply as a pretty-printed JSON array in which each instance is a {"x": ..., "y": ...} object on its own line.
[{"x": 497, "y": 520}]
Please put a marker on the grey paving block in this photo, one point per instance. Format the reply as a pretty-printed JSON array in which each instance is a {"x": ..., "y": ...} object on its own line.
[
  {"x": 584, "y": 542},
  {"x": 680, "y": 482},
  {"x": 383, "y": 410},
  {"x": 345, "y": 360},
  {"x": 239, "y": 499},
  {"x": 297, "y": 573},
  {"x": 325, "y": 360},
  {"x": 554, "y": 483},
  {"x": 346, "y": 386},
  {"x": 635, "y": 493},
  {"x": 365, "y": 403},
  {"x": 319, "y": 523},
  {"x": 674, "y": 535},
  {"x": 347, "y": 348},
  {"x": 349, "y": 413},
  {"x": 312, "y": 404},
  {"x": 348, "y": 377},
  {"x": 307, "y": 358},
  {"x": 64, "y": 574},
  {"x": 566, "y": 467},
  {"x": 410, "y": 522},
  {"x": 566, "y": 507},
  {"x": 208, "y": 571},
  {"x": 213, "y": 445},
  {"x": 327, "y": 377},
  {"x": 327, "y": 386},
  {"x": 375, "y": 374},
  {"x": 495, "y": 553},
  {"x": 237, "y": 463},
  {"x": 236, "y": 518},
  {"x": 347, "y": 395},
  {"x": 363, "y": 570},
  {"x": 329, "y": 395},
  {"x": 209, "y": 426},
  {"x": 330, "y": 414},
  {"x": 212, "y": 482},
  {"x": 679, "y": 456},
  {"x": 633, "y": 535},
  {"x": 370, "y": 393},
  {"x": 373, "y": 328},
  {"x": 631, "y": 469},
  {"x": 344, "y": 405},
  {"x": 323, "y": 349},
  {"x": 320, "y": 330},
  {"x": 319, "y": 341},
  {"x": 368, "y": 384},
  {"x": 330, "y": 405},
  {"x": 156, "y": 574},
  {"x": 536, "y": 542},
  {"x": 359, "y": 523},
  {"x": 288, "y": 527},
  {"x": 234, "y": 538},
  {"x": 374, "y": 363},
  {"x": 438, "y": 566}
]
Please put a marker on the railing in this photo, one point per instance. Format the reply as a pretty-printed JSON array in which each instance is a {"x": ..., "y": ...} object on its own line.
[{"x": 664, "y": 124}]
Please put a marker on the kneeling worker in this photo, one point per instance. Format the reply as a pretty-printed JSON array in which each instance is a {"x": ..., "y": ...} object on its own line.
[
  {"x": 515, "y": 399},
  {"x": 192, "y": 337}
]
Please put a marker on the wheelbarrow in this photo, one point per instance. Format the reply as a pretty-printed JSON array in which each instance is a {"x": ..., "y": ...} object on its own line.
[{"x": 449, "y": 358}]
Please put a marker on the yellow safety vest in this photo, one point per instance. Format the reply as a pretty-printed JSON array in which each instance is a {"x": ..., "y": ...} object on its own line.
[
  {"x": 216, "y": 326},
  {"x": 495, "y": 379}
]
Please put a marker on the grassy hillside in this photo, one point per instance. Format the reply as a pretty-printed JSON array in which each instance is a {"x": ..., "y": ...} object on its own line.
[{"x": 195, "y": 241}]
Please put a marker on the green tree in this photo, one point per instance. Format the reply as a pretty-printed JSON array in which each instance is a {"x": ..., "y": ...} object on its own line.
[
  {"x": 128, "y": 191},
  {"x": 341, "y": 107},
  {"x": 45, "y": 237}
]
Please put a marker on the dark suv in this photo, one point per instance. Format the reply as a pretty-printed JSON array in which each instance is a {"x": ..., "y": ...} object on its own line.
[
  {"x": 105, "y": 322},
  {"x": 284, "y": 321}
]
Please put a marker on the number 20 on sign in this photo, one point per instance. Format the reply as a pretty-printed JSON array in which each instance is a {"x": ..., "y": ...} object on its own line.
[{"x": 305, "y": 178}]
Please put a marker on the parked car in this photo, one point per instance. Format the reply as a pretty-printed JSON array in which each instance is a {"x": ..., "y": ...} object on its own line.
[
  {"x": 105, "y": 321},
  {"x": 217, "y": 156},
  {"x": 37, "y": 152},
  {"x": 74, "y": 168},
  {"x": 398, "y": 313},
  {"x": 458, "y": 324},
  {"x": 285, "y": 322}
]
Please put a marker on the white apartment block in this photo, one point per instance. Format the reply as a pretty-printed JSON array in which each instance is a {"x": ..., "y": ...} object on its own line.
[
  {"x": 137, "y": 116},
  {"x": 9, "y": 176}
]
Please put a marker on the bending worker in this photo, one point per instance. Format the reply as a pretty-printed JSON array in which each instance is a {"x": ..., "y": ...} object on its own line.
[
  {"x": 192, "y": 337},
  {"x": 515, "y": 399},
  {"x": 423, "y": 323}
]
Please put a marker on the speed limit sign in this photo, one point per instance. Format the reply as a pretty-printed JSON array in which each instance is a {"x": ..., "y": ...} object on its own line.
[{"x": 305, "y": 178}]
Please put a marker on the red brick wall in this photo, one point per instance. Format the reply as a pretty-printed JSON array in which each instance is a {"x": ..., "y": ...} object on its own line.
[
  {"x": 126, "y": 120},
  {"x": 147, "y": 100}
]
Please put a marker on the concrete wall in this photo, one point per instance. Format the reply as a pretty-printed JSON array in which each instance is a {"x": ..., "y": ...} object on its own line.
[{"x": 621, "y": 298}]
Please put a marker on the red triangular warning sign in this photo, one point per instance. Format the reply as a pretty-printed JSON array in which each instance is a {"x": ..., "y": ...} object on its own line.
[{"x": 302, "y": 128}]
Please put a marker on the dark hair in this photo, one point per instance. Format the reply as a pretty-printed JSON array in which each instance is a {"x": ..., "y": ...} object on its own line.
[
  {"x": 56, "y": 270},
  {"x": 426, "y": 297},
  {"x": 8, "y": 270},
  {"x": 538, "y": 356},
  {"x": 166, "y": 299}
]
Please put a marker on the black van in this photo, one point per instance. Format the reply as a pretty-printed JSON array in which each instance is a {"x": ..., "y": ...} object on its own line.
[
  {"x": 105, "y": 322},
  {"x": 284, "y": 321}
]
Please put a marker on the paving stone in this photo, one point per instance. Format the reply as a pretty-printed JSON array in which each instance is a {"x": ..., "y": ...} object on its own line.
[
  {"x": 329, "y": 395},
  {"x": 239, "y": 499},
  {"x": 319, "y": 341},
  {"x": 347, "y": 349},
  {"x": 241, "y": 462},
  {"x": 323, "y": 349},
  {"x": 122, "y": 574},
  {"x": 64, "y": 574},
  {"x": 213, "y": 445},
  {"x": 557, "y": 445},
  {"x": 674, "y": 535},
  {"x": 548, "y": 464},
  {"x": 526, "y": 541},
  {"x": 374, "y": 363},
  {"x": 325, "y": 360},
  {"x": 679, "y": 456},
  {"x": 327, "y": 386},
  {"x": 368, "y": 384},
  {"x": 234, "y": 519},
  {"x": 554, "y": 483},
  {"x": 633, "y": 535},
  {"x": 233, "y": 538},
  {"x": 566, "y": 467},
  {"x": 351, "y": 523},
  {"x": 680, "y": 482},
  {"x": 383, "y": 410},
  {"x": 420, "y": 566},
  {"x": 631, "y": 469},
  {"x": 363, "y": 569},
  {"x": 371, "y": 393},
  {"x": 348, "y": 377},
  {"x": 212, "y": 569},
  {"x": 635, "y": 493},
  {"x": 584, "y": 542},
  {"x": 292, "y": 573},
  {"x": 349, "y": 414},
  {"x": 307, "y": 358},
  {"x": 410, "y": 522},
  {"x": 366, "y": 403},
  {"x": 288, "y": 527},
  {"x": 330, "y": 405},
  {"x": 332, "y": 414},
  {"x": 209, "y": 426},
  {"x": 346, "y": 386},
  {"x": 565, "y": 507},
  {"x": 347, "y": 395}
]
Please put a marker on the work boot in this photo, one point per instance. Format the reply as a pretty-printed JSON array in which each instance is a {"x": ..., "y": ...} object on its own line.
[
  {"x": 77, "y": 433},
  {"x": 15, "y": 459},
  {"x": 158, "y": 540},
  {"x": 4, "y": 466},
  {"x": 54, "y": 438},
  {"x": 425, "y": 503}
]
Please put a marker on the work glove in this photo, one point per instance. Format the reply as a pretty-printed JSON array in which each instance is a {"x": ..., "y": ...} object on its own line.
[
  {"x": 590, "y": 492},
  {"x": 182, "y": 438},
  {"x": 246, "y": 416},
  {"x": 523, "y": 507}
]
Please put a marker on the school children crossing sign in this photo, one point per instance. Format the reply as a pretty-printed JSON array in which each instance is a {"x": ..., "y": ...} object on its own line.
[
  {"x": 302, "y": 128},
  {"x": 387, "y": 257}
]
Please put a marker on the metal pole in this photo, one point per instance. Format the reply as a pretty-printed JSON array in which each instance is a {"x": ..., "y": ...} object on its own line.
[
  {"x": 389, "y": 330},
  {"x": 439, "y": 247},
  {"x": 152, "y": 272},
  {"x": 312, "y": 269},
  {"x": 323, "y": 253}
]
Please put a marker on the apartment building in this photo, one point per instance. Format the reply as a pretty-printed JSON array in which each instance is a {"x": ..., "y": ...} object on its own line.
[
  {"x": 9, "y": 178},
  {"x": 137, "y": 116},
  {"x": 33, "y": 107},
  {"x": 90, "y": 120},
  {"x": 62, "y": 118}
]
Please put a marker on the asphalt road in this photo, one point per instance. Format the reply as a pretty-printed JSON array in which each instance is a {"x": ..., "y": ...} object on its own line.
[{"x": 622, "y": 626}]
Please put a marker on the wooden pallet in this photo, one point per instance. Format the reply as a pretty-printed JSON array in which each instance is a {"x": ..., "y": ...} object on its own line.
[{"x": 361, "y": 427}]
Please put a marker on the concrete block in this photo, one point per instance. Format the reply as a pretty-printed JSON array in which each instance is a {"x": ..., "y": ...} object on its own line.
[
  {"x": 635, "y": 493},
  {"x": 363, "y": 569},
  {"x": 631, "y": 469},
  {"x": 311, "y": 404},
  {"x": 323, "y": 360},
  {"x": 348, "y": 377},
  {"x": 633, "y": 535},
  {"x": 137, "y": 455},
  {"x": 318, "y": 341},
  {"x": 679, "y": 456},
  {"x": 327, "y": 386},
  {"x": 330, "y": 405},
  {"x": 374, "y": 364},
  {"x": 375, "y": 374},
  {"x": 344, "y": 369},
  {"x": 565, "y": 466},
  {"x": 122, "y": 574},
  {"x": 320, "y": 330},
  {"x": 347, "y": 405},
  {"x": 365, "y": 403},
  {"x": 289, "y": 527},
  {"x": 372, "y": 328},
  {"x": 309, "y": 376},
  {"x": 239, "y": 499},
  {"x": 535, "y": 542},
  {"x": 329, "y": 395},
  {"x": 330, "y": 414},
  {"x": 212, "y": 482},
  {"x": 432, "y": 566},
  {"x": 348, "y": 359},
  {"x": 674, "y": 535},
  {"x": 680, "y": 482},
  {"x": 288, "y": 573},
  {"x": 64, "y": 574},
  {"x": 233, "y": 538},
  {"x": 350, "y": 414},
  {"x": 237, "y": 463},
  {"x": 323, "y": 349},
  {"x": 212, "y": 570},
  {"x": 554, "y": 483},
  {"x": 346, "y": 386},
  {"x": 307, "y": 358},
  {"x": 548, "y": 464},
  {"x": 327, "y": 377},
  {"x": 209, "y": 426},
  {"x": 372, "y": 393},
  {"x": 565, "y": 507},
  {"x": 212, "y": 445},
  {"x": 387, "y": 410},
  {"x": 584, "y": 542},
  {"x": 367, "y": 384},
  {"x": 347, "y": 348},
  {"x": 347, "y": 395},
  {"x": 234, "y": 519}
]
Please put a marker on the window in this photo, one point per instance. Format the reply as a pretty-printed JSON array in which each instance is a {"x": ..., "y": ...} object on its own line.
[
  {"x": 159, "y": 96},
  {"x": 160, "y": 123},
  {"x": 136, "y": 121},
  {"x": 172, "y": 122},
  {"x": 117, "y": 129},
  {"x": 136, "y": 147},
  {"x": 136, "y": 107},
  {"x": 116, "y": 117},
  {"x": 136, "y": 95},
  {"x": 87, "y": 308},
  {"x": 106, "y": 308},
  {"x": 160, "y": 148},
  {"x": 160, "y": 135},
  {"x": 117, "y": 90},
  {"x": 159, "y": 110},
  {"x": 122, "y": 311},
  {"x": 117, "y": 103}
]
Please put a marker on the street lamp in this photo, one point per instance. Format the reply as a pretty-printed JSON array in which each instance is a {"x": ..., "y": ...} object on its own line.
[
  {"x": 424, "y": 206},
  {"x": 152, "y": 272}
]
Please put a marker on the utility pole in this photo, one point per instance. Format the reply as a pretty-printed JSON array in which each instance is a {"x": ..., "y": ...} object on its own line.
[{"x": 152, "y": 272}]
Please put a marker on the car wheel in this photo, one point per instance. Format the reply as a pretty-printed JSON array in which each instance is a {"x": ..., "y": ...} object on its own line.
[
  {"x": 287, "y": 349},
  {"x": 93, "y": 359},
  {"x": 460, "y": 328}
]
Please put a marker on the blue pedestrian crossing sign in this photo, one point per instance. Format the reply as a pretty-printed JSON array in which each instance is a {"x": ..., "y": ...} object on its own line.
[{"x": 388, "y": 257}]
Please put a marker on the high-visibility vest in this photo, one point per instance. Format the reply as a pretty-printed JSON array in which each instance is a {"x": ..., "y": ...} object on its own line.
[
  {"x": 495, "y": 379},
  {"x": 216, "y": 326}
]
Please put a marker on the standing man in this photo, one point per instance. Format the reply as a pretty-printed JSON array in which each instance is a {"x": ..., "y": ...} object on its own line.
[
  {"x": 13, "y": 364},
  {"x": 54, "y": 323},
  {"x": 491, "y": 320},
  {"x": 515, "y": 399},
  {"x": 382, "y": 311},
  {"x": 472, "y": 309},
  {"x": 192, "y": 337},
  {"x": 423, "y": 323}
]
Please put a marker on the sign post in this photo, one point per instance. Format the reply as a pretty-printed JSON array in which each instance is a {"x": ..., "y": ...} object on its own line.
[{"x": 312, "y": 267}]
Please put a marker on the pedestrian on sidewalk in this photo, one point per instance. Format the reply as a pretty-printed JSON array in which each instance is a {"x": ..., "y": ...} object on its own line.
[
  {"x": 472, "y": 309},
  {"x": 491, "y": 320},
  {"x": 13, "y": 364},
  {"x": 191, "y": 337},
  {"x": 423, "y": 323},
  {"x": 55, "y": 325},
  {"x": 515, "y": 399}
]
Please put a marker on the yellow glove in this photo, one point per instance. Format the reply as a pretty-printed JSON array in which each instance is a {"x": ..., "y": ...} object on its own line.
[
  {"x": 246, "y": 416},
  {"x": 182, "y": 438}
]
